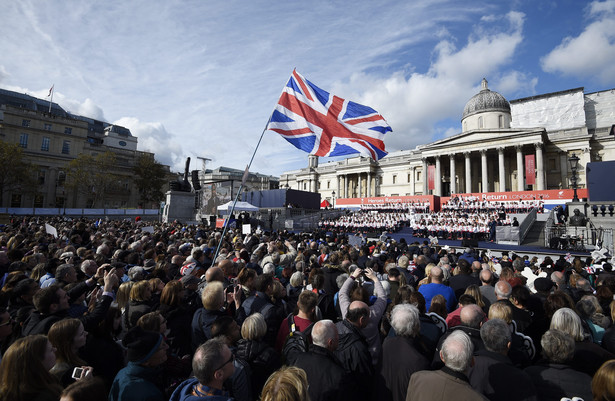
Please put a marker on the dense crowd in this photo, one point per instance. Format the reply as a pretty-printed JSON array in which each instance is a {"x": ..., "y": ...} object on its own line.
[{"x": 125, "y": 310}]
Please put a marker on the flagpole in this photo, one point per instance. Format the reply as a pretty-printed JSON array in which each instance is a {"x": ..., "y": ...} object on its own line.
[
  {"x": 51, "y": 101},
  {"x": 226, "y": 221}
]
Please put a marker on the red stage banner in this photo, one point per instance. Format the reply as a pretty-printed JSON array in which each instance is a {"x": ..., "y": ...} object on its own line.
[
  {"x": 431, "y": 177},
  {"x": 530, "y": 170}
]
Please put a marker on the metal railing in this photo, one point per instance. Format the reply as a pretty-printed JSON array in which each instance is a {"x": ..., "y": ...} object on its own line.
[{"x": 580, "y": 239}]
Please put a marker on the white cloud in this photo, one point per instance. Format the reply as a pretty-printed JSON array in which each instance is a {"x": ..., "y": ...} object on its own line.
[
  {"x": 153, "y": 137},
  {"x": 3, "y": 73},
  {"x": 591, "y": 53}
]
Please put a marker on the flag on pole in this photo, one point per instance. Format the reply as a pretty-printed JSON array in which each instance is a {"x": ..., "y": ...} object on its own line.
[
  {"x": 51, "y": 90},
  {"x": 322, "y": 124}
]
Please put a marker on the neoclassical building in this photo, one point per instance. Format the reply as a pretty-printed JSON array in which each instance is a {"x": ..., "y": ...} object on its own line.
[{"x": 521, "y": 145}]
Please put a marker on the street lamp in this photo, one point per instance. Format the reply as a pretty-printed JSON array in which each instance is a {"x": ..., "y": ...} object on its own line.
[
  {"x": 574, "y": 165},
  {"x": 333, "y": 198}
]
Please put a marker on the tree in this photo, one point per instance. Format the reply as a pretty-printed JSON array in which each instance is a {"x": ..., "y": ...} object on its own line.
[
  {"x": 149, "y": 177},
  {"x": 92, "y": 176},
  {"x": 15, "y": 172}
]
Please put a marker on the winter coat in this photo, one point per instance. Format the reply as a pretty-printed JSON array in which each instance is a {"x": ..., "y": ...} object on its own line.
[
  {"x": 353, "y": 353},
  {"x": 441, "y": 385},
  {"x": 495, "y": 376},
  {"x": 136, "y": 383},
  {"x": 263, "y": 361},
  {"x": 183, "y": 392},
  {"x": 553, "y": 381},
  {"x": 328, "y": 379},
  {"x": 401, "y": 357},
  {"x": 201, "y": 325}
]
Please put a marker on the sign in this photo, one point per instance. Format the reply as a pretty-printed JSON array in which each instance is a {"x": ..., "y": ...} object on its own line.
[
  {"x": 530, "y": 170},
  {"x": 219, "y": 223},
  {"x": 546, "y": 195}
]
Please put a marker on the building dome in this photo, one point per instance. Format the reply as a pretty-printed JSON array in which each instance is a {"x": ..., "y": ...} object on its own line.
[{"x": 485, "y": 101}]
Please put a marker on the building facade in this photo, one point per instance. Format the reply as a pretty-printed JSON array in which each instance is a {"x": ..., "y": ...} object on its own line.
[
  {"x": 503, "y": 146},
  {"x": 51, "y": 138}
]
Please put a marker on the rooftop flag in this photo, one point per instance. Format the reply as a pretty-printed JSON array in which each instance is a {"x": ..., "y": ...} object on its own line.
[{"x": 322, "y": 124}]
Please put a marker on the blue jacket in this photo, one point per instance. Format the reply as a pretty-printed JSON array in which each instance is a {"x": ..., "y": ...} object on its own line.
[
  {"x": 136, "y": 383},
  {"x": 183, "y": 392}
]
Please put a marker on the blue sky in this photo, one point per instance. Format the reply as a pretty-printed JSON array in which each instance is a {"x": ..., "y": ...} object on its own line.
[{"x": 200, "y": 78}]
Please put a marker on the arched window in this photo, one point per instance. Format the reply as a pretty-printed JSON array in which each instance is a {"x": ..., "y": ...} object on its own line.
[
  {"x": 501, "y": 121},
  {"x": 480, "y": 122}
]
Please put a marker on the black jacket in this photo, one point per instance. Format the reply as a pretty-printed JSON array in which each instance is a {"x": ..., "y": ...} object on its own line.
[
  {"x": 263, "y": 361},
  {"x": 401, "y": 357},
  {"x": 495, "y": 376},
  {"x": 328, "y": 379},
  {"x": 553, "y": 381},
  {"x": 353, "y": 353}
]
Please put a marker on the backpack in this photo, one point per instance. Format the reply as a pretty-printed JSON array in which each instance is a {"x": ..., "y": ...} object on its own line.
[{"x": 296, "y": 342}]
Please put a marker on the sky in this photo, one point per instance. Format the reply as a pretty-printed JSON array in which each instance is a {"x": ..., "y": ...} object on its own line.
[{"x": 200, "y": 78}]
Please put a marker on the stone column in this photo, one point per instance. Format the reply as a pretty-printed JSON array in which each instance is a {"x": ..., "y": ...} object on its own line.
[
  {"x": 438, "y": 183},
  {"x": 520, "y": 169},
  {"x": 346, "y": 182},
  {"x": 453, "y": 181},
  {"x": 483, "y": 167},
  {"x": 425, "y": 178},
  {"x": 501, "y": 169},
  {"x": 369, "y": 184},
  {"x": 540, "y": 168},
  {"x": 360, "y": 185},
  {"x": 468, "y": 172},
  {"x": 412, "y": 172}
]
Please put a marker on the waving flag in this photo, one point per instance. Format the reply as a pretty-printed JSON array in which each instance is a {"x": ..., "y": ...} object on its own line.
[{"x": 322, "y": 124}]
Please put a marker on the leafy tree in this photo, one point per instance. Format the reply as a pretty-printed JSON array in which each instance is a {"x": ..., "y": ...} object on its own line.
[
  {"x": 15, "y": 172},
  {"x": 149, "y": 177},
  {"x": 92, "y": 175}
]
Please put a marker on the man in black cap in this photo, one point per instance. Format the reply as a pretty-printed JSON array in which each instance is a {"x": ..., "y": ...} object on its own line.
[
  {"x": 543, "y": 286},
  {"x": 146, "y": 351}
]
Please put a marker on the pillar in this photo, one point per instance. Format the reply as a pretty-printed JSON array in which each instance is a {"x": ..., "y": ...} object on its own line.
[
  {"x": 483, "y": 167},
  {"x": 520, "y": 169},
  {"x": 468, "y": 172},
  {"x": 438, "y": 183},
  {"x": 501, "y": 169},
  {"x": 540, "y": 168},
  {"x": 425, "y": 179},
  {"x": 453, "y": 181}
]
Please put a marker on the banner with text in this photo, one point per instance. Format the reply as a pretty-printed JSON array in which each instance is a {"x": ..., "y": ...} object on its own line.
[
  {"x": 431, "y": 177},
  {"x": 530, "y": 170}
]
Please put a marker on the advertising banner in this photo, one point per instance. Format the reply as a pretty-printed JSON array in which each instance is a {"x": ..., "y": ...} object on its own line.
[
  {"x": 530, "y": 170},
  {"x": 431, "y": 177}
]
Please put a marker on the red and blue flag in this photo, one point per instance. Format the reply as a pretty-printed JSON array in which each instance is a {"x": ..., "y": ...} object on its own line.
[{"x": 322, "y": 124}]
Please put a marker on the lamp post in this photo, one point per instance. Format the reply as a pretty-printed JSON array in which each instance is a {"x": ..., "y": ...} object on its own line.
[
  {"x": 574, "y": 165},
  {"x": 333, "y": 198}
]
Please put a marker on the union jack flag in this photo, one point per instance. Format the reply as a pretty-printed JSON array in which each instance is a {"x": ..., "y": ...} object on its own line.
[{"x": 322, "y": 124}]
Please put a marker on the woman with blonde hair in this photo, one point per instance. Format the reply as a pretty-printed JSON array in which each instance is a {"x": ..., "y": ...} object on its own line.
[
  {"x": 68, "y": 336},
  {"x": 139, "y": 303},
  {"x": 603, "y": 383},
  {"x": 287, "y": 384},
  {"x": 427, "y": 278},
  {"x": 478, "y": 296},
  {"x": 24, "y": 371}
]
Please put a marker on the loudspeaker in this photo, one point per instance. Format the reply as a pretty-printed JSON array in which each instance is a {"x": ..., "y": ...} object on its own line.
[
  {"x": 195, "y": 180},
  {"x": 469, "y": 243}
]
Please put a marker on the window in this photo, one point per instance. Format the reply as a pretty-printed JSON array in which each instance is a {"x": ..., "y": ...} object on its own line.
[
  {"x": 47, "y": 127},
  {"x": 68, "y": 130},
  {"x": 66, "y": 147},
  {"x": 418, "y": 176},
  {"x": 501, "y": 121},
  {"x": 480, "y": 122},
  {"x": 39, "y": 200},
  {"x": 23, "y": 140},
  {"x": 328, "y": 184},
  {"x": 409, "y": 177},
  {"x": 16, "y": 200},
  {"x": 394, "y": 179},
  {"x": 25, "y": 123},
  {"x": 41, "y": 177},
  {"x": 61, "y": 178},
  {"x": 45, "y": 144}
]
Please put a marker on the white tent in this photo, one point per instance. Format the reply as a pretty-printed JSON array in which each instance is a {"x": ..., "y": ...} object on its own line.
[{"x": 239, "y": 207}]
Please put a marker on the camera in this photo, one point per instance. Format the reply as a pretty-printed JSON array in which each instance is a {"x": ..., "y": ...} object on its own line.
[{"x": 77, "y": 372}]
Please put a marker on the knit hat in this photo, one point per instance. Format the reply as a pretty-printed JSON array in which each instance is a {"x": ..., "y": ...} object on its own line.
[
  {"x": 141, "y": 344},
  {"x": 543, "y": 284}
]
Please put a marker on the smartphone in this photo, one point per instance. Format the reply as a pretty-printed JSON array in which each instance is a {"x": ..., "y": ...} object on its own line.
[{"x": 77, "y": 372}]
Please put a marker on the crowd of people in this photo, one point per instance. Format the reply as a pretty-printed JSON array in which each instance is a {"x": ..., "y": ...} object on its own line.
[{"x": 125, "y": 310}]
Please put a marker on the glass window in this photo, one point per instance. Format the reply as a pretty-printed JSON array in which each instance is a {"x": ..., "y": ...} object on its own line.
[
  {"x": 47, "y": 127},
  {"x": 23, "y": 140},
  {"x": 61, "y": 178},
  {"x": 41, "y": 177},
  {"x": 68, "y": 130},
  {"x": 39, "y": 200},
  {"x": 394, "y": 179},
  {"x": 66, "y": 147},
  {"x": 480, "y": 122},
  {"x": 25, "y": 123},
  {"x": 45, "y": 144},
  {"x": 16, "y": 200}
]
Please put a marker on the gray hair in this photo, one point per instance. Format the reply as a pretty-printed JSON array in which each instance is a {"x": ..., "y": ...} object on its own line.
[
  {"x": 207, "y": 358},
  {"x": 323, "y": 331},
  {"x": 496, "y": 335},
  {"x": 63, "y": 270},
  {"x": 566, "y": 320},
  {"x": 341, "y": 279},
  {"x": 405, "y": 320},
  {"x": 557, "y": 346},
  {"x": 269, "y": 268},
  {"x": 457, "y": 351},
  {"x": 503, "y": 289},
  {"x": 296, "y": 280},
  {"x": 86, "y": 263}
]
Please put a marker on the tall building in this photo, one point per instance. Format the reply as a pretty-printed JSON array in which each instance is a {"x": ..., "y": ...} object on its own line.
[
  {"x": 503, "y": 146},
  {"x": 51, "y": 138}
]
